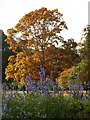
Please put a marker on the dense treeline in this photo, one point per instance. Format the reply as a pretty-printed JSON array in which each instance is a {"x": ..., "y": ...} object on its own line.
[{"x": 83, "y": 67}]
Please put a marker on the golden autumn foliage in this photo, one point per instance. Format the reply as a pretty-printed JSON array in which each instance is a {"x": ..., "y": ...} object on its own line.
[
  {"x": 36, "y": 34},
  {"x": 56, "y": 60},
  {"x": 19, "y": 67},
  {"x": 63, "y": 79},
  {"x": 37, "y": 29}
]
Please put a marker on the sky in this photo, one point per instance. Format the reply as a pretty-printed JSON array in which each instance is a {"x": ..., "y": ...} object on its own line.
[{"x": 75, "y": 14}]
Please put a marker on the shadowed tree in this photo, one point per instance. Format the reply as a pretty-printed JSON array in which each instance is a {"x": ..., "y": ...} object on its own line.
[
  {"x": 85, "y": 52},
  {"x": 6, "y": 52},
  {"x": 83, "y": 68}
]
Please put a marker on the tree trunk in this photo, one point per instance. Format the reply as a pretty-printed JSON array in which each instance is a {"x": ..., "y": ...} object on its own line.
[{"x": 42, "y": 56}]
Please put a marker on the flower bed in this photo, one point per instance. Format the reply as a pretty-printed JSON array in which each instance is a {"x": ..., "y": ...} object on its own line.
[
  {"x": 45, "y": 99},
  {"x": 30, "y": 106}
]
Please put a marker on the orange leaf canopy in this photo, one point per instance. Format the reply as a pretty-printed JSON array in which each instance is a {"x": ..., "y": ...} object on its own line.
[{"x": 36, "y": 28}]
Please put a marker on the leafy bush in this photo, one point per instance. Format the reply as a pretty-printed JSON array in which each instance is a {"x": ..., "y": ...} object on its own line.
[{"x": 32, "y": 106}]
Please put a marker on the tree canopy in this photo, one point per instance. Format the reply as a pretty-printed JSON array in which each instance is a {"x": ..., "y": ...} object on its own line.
[
  {"x": 84, "y": 66},
  {"x": 37, "y": 30},
  {"x": 36, "y": 35}
]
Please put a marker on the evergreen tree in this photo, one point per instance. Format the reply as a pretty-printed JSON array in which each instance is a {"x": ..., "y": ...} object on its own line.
[
  {"x": 6, "y": 52},
  {"x": 85, "y": 51},
  {"x": 83, "y": 68}
]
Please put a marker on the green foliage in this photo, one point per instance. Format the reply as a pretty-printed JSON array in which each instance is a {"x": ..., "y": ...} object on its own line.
[
  {"x": 5, "y": 54},
  {"x": 85, "y": 51},
  {"x": 33, "y": 106},
  {"x": 84, "y": 66},
  {"x": 85, "y": 45},
  {"x": 80, "y": 68}
]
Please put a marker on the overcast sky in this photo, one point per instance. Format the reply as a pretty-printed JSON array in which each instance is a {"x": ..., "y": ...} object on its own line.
[{"x": 75, "y": 13}]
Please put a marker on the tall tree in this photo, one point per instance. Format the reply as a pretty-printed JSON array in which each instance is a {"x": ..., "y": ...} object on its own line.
[
  {"x": 85, "y": 51},
  {"x": 37, "y": 30},
  {"x": 85, "y": 45},
  {"x": 84, "y": 66},
  {"x": 36, "y": 34}
]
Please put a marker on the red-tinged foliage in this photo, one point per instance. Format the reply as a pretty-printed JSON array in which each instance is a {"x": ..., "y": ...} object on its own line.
[
  {"x": 56, "y": 60},
  {"x": 60, "y": 58}
]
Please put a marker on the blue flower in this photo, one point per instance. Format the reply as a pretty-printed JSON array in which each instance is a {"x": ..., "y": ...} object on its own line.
[
  {"x": 62, "y": 88},
  {"x": 28, "y": 112},
  {"x": 29, "y": 79},
  {"x": 85, "y": 97},
  {"x": 7, "y": 88},
  {"x": 51, "y": 74},
  {"x": 33, "y": 99},
  {"x": 42, "y": 73},
  {"x": 10, "y": 109},
  {"x": 88, "y": 84},
  {"x": 88, "y": 93},
  {"x": 39, "y": 102},
  {"x": 78, "y": 76}
]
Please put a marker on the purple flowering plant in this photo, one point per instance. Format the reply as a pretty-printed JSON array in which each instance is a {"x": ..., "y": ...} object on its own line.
[{"x": 44, "y": 99}]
